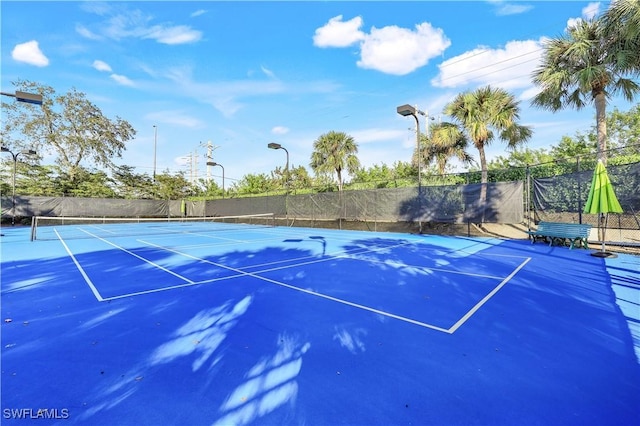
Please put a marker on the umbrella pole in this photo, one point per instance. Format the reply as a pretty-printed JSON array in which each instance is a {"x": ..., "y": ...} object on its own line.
[{"x": 602, "y": 252}]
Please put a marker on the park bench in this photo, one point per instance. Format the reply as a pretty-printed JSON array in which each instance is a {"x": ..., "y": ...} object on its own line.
[{"x": 575, "y": 234}]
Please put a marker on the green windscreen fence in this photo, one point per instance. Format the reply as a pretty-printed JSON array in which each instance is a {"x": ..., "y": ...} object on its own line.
[{"x": 562, "y": 199}]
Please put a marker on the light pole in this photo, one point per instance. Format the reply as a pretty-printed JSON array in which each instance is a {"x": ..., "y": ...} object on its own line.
[
  {"x": 273, "y": 145},
  {"x": 29, "y": 98},
  {"x": 15, "y": 162},
  {"x": 406, "y": 110},
  {"x": 213, "y": 164},
  {"x": 155, "y": 146}
]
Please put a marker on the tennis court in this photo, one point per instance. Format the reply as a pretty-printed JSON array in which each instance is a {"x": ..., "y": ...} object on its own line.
[{"x": 227, "y": 324}]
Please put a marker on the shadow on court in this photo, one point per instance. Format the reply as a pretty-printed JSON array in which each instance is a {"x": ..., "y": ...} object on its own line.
[{"x": 240, "y": 336}]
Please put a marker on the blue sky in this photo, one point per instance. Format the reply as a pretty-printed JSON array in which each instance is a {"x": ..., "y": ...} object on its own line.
[{"x": 243, "y": 74}]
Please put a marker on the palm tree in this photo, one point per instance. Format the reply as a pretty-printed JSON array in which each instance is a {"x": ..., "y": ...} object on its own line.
[
  {"x": 485, "y": 111},
  {"x": 584, "y": 66},
  {"x": 622, "y": 25},
  {"x": 335, "y": 152},
  {"x": 446, "y": 141}
]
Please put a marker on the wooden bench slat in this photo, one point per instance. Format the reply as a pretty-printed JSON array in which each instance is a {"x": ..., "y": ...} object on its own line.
[{"x": 560, "y": 232}]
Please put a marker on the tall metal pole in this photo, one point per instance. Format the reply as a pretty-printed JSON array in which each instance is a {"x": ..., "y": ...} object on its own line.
[
  {"x": 222, "y": 179},
  {"x": 274, "y": 145},
  {"x": 209, "y": 152},
  {"x": 155, "y": 146},
  {"x": 13, "y": 194},
  {"x": 418, "y": 146},
  {"x": 13, "y": 185}
]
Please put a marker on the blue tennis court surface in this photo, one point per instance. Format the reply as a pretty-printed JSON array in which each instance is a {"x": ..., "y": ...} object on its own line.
[{"x": 277, "y": 325}]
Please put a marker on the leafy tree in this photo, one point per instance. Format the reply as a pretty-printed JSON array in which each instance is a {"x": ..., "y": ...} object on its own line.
[
  {"x": 382, "y": 176},
  {"x": 208, "y": 189},
  {"x": 520, "y": 158},
  {"x": 132, "y": 185},
  {"x": 485, "y": 111},
  {"x": 299, "y": 178},
  {"x": 253, "y": 184},
  {"x": 446, "y": 141},
  {"x": 335, "y": 152},
  {"x": 623, "y": 129},
  {"x": 623, "y": 133},
  {"x": 93, "y": 184},
  {"x": 172, "y": 187},
  {"x": 584, "y": 66},
  {"x": 69, "y": 125},
  {"x": 580, "y": 144}
]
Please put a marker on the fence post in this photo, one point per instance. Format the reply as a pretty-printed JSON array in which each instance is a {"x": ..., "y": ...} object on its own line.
[
  {"x": 579, "y": 191},
  {"x": 528, "y": 195}
]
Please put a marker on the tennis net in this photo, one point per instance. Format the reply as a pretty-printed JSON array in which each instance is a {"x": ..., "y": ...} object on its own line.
[{"x": 65, "y": 227}]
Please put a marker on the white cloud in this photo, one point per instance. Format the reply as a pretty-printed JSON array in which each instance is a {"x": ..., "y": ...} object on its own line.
[
  {"x": 588, "y": 12},
  {"x": 280, "y": 130},
  {"x": 508, "y": 67},
  {"x": 391, "y": 49},
  {"x": 120, "y": 22},
  {"x": 530, "y": 93},
  {"x": 86, "y": 33},
  {"x": 505, "y": 9},
  {"x": 198, "y": 13},
  {"x": 121, "y": 79},
  {"x": 177, "y": 118},
  {"x": 268, "y": 72},
  {"x": 29, "y": 53},
  {"x": 591, "y": 10},
  {"x": 399, "y": 51},
  {"x": 180, "y": 34},
  {"x": 338, "y": 33},
  {"x": 377, "y": 135},
  {"x": 101, "y": 66},
  {"x": 573, "y": 22}
]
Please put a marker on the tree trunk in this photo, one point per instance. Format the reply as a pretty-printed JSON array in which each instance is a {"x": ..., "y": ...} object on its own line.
[
  {"x": 483, "y": 164},
  {"x": 601, "y": 125},
  {"x": 484, "y": 180}
]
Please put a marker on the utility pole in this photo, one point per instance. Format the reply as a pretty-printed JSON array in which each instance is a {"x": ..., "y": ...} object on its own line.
[{"x": 210, "y": 148}]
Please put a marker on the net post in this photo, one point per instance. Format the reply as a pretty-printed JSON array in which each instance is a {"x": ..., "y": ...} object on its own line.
[{"x": 34, "y": 220}]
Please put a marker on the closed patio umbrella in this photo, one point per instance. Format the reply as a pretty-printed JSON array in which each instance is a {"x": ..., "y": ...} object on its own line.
[{"x": 602, "y": 201}]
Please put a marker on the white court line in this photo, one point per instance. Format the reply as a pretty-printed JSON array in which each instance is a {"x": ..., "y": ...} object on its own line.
[
  {"x": 141, "y": 258},
  {"x": 428, "y": 268},
  {"x": 485, "y": 299},
  {"x": 82, "y": 272},
  {"x": 302, "y": 290},
  {"x": 241, "y": 272},
  {"x": 346, "y": 254}
]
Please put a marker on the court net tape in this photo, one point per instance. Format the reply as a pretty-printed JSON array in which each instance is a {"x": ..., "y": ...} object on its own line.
[{"x": 48, "y": 228}]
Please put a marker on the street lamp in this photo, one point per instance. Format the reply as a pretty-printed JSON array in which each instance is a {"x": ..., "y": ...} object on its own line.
[
  {"x": 273, "y": 145},
  {"x": 406, "y": 110},
  {"x": 29, "y": 98},
  {"x": 213, "y": 164},
  {"x": 15, "y": 162},
  {"x": 155, "y": 145}
]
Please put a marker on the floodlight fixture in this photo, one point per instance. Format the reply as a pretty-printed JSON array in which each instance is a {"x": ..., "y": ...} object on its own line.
[
  {"x": 406, "y": 109},
  {"x": 274, "y": 145},
  {"x": 29, "y": 98},
  {"x": 213, "y": 164}
]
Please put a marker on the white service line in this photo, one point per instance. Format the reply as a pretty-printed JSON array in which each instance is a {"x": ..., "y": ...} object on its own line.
[
  {"x": 485, "y": 299},
  {"x": 311, "y": 292},
  {"x": 82, "y": 272},
  {"x": 141, "y": 258}
]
